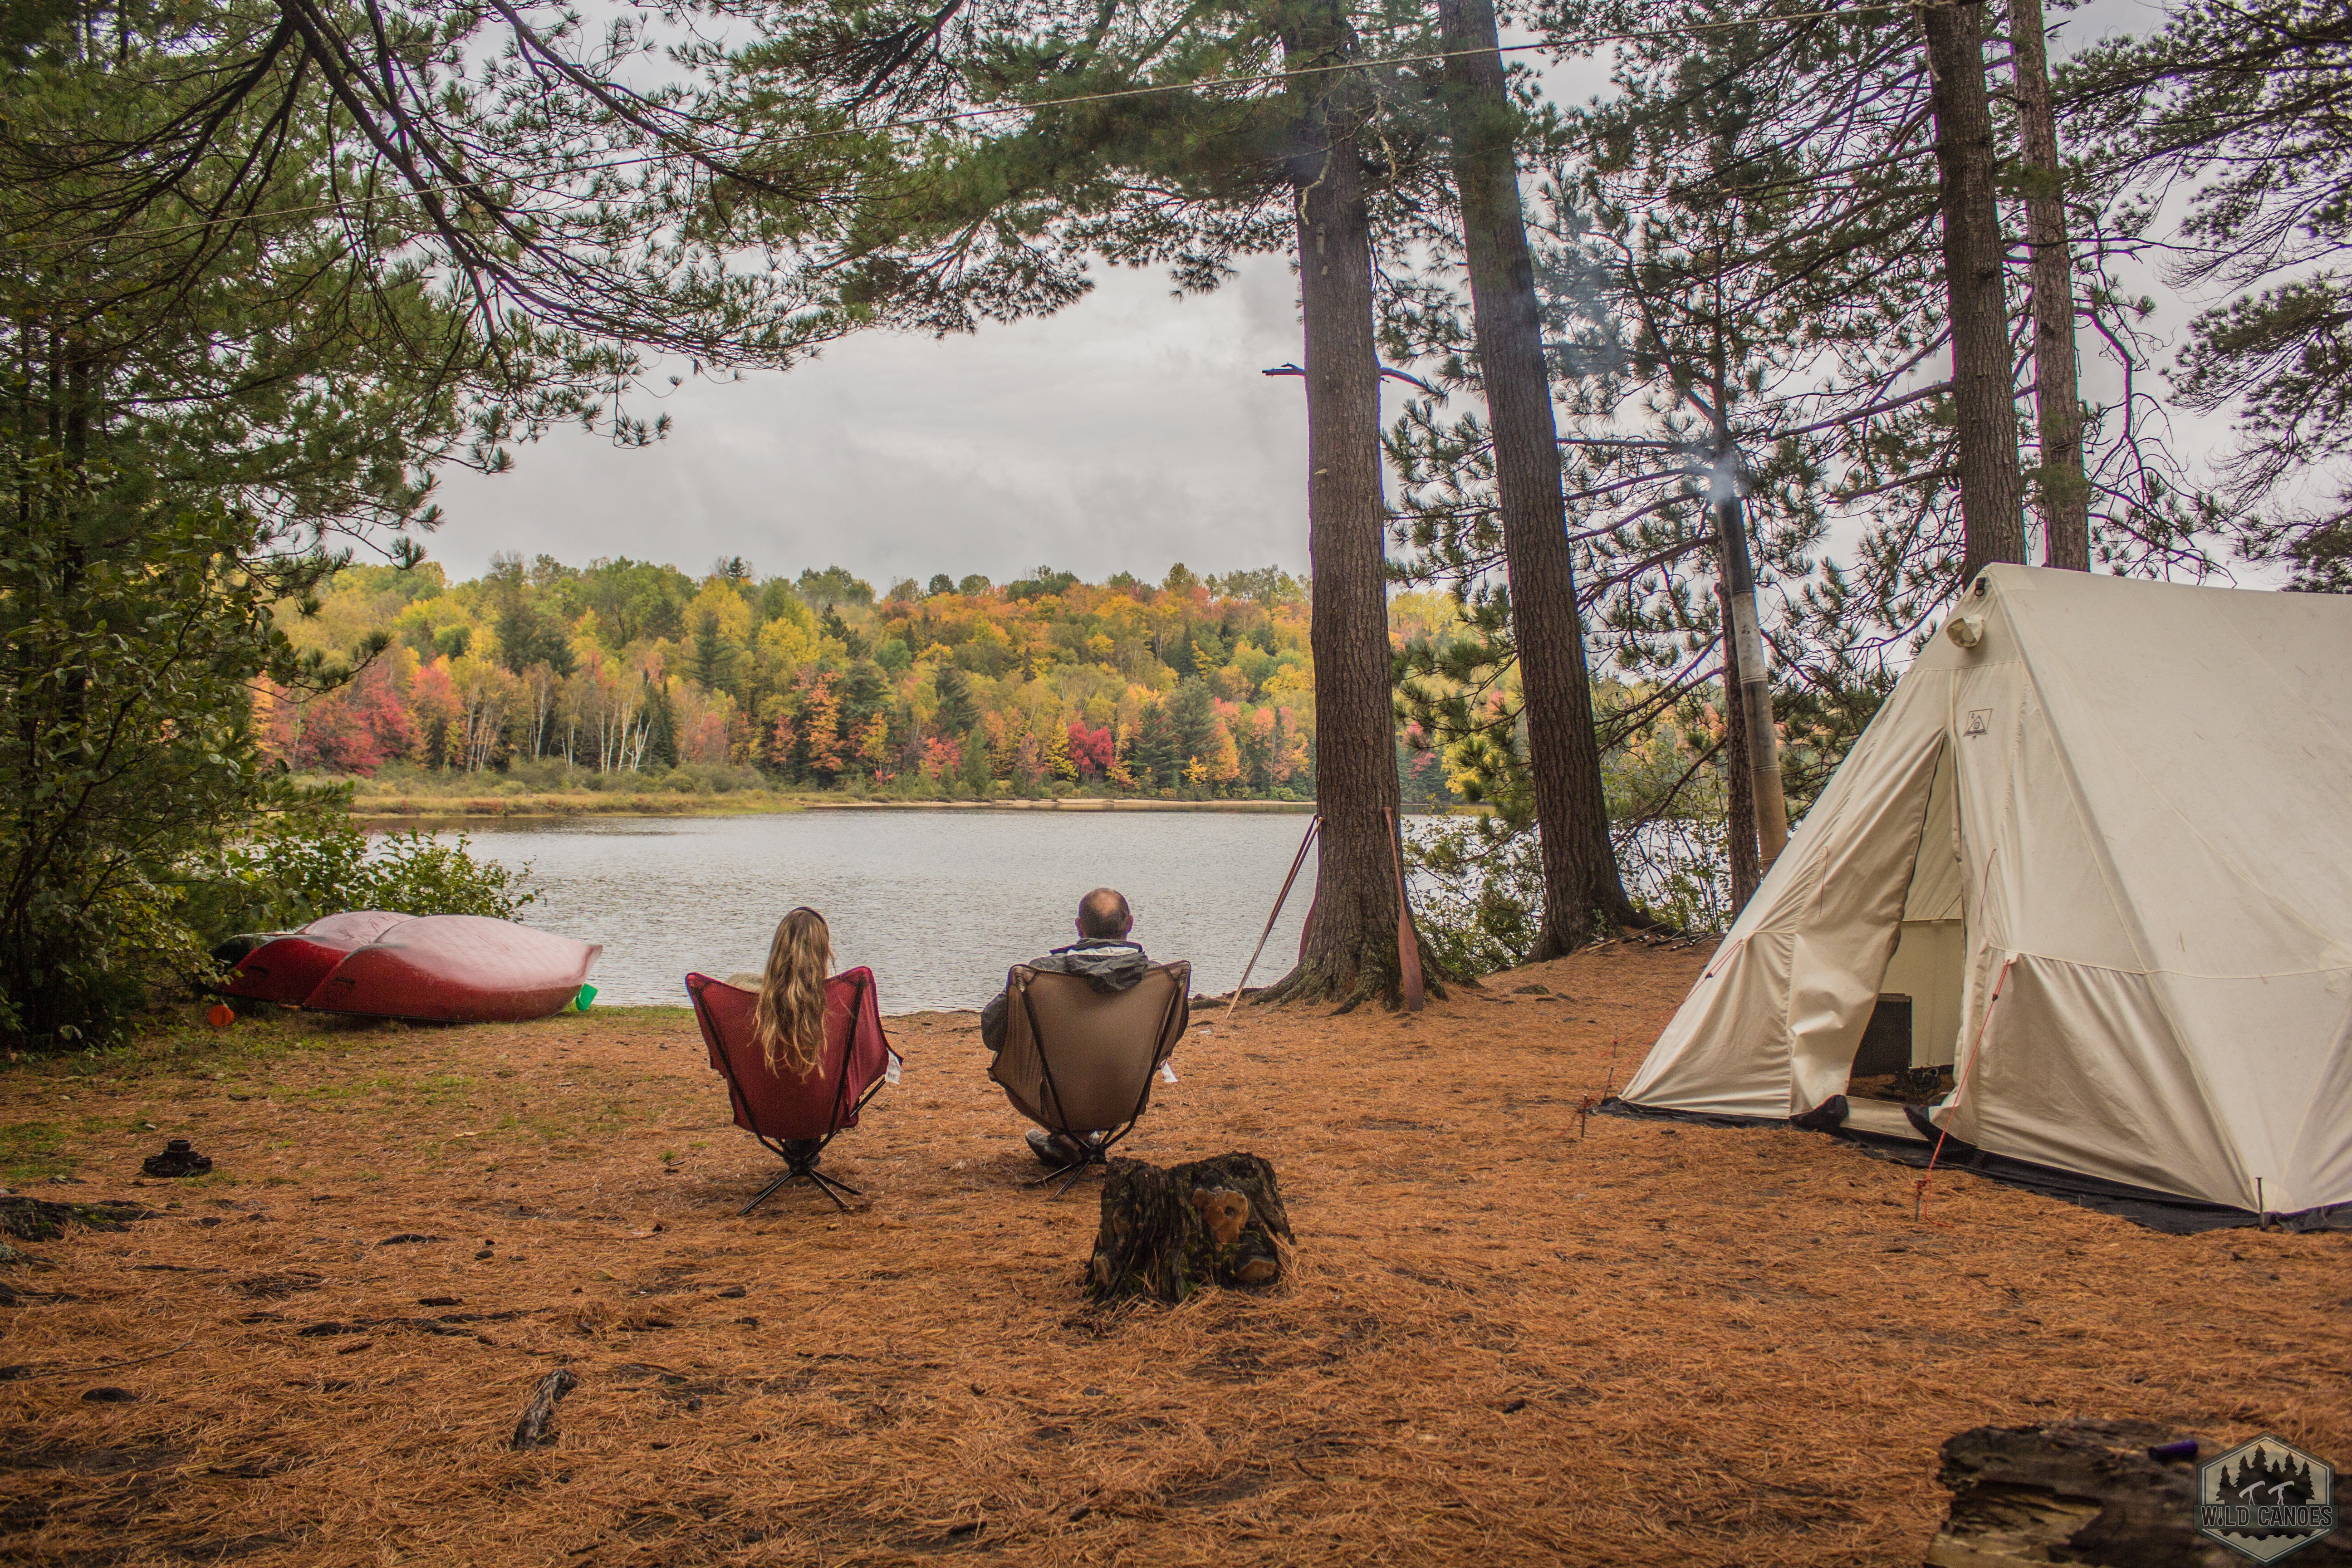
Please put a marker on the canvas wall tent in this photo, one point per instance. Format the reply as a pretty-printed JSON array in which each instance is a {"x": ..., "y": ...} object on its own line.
[{"x": 2127, "y": 803}]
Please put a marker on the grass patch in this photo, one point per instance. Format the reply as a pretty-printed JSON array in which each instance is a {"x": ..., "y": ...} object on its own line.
[{"x": 32, "y": 1152}]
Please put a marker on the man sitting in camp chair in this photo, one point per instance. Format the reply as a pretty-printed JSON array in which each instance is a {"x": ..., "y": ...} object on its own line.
[{"x": 1077, "y": 1033}]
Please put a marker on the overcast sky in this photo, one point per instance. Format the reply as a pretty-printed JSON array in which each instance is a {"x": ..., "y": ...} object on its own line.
[{"x": 1129, "y": 432}]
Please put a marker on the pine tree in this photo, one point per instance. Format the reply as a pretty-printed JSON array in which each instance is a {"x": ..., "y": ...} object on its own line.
[
  {"x": 1112, "y": 142},
  {"x": 1156, "y": 757},
  {"x": 1992, "y": 489},
  {"x": 2248, "y": 106},
  {"x": 956, "y": 713},
  {"x": 712, "y": 656},
  {"x": 1581, "y": 889},
  {"x": 661, "y": 724}
]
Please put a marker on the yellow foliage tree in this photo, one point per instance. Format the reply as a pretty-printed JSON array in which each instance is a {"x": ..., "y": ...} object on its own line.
[{"x": 1224, "y": 761}]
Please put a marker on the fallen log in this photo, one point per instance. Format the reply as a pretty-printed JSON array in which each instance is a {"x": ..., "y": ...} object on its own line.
[
  {"x": 533, "y": 1430},
  {"x": 2087, "y": 1492},
  {"x": 1168, "y": 1233}
]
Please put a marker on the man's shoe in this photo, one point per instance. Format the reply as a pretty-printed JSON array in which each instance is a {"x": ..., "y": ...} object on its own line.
[{"x": 1055, "y": 1149}]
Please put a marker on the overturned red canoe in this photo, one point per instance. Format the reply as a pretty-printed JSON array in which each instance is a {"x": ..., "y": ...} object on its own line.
[
  {"x": 459, "y": 969},
  {"x": 287, "y": 967}
]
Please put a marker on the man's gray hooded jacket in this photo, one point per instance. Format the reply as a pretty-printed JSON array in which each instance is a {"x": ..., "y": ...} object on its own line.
[{"x": 1105, "y": 963}]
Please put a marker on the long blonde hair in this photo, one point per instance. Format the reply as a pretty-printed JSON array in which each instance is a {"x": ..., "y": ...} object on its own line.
[{"x": 791, "y": 992}]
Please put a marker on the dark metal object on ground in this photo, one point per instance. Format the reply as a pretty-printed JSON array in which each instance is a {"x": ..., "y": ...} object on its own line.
[
  {"x": 1280, "y": 899},
  {"x": 179, "y": 1158}
]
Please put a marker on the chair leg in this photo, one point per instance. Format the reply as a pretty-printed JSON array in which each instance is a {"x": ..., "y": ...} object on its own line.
[
  {"x": 1076, "y": 1171},
  {"x": 765, "y": 1193},
  {"x": 826, "y": 1184}
]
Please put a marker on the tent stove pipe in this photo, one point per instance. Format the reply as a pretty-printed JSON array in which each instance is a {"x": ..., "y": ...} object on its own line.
[{"x": 1755, "y": 677}]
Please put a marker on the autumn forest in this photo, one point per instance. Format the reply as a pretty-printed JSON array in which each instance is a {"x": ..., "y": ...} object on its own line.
[{"x": 622, "y": 672}]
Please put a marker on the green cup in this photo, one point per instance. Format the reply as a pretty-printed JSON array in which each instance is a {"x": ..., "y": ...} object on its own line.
[{"x": 587, "y": 995}]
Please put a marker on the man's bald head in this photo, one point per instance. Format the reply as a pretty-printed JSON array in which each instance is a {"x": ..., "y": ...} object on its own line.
[{"x": 1103, "y": 914}]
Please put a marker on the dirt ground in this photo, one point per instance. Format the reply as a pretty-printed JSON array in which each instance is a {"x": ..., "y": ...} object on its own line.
[{"x": 1504, "y": 1339}]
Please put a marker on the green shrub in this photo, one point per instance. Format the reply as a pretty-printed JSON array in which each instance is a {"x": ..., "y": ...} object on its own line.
[
  {"x": 133, "y": 638},
  {"x": 1477, "y": 892},
  {"x": 312, "y": 860}
]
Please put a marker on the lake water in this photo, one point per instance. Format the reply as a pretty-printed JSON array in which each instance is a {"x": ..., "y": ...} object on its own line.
[{"x": 938, "y": 903}]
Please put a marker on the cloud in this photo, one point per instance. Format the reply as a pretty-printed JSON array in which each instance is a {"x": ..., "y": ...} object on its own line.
[{"x": 1131, "y": 431}]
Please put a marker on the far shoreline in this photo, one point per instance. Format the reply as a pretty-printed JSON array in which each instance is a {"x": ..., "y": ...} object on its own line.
[{"x": 412, "y": 809}]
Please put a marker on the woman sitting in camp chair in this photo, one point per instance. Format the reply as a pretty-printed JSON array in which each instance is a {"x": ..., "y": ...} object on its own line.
[{"x": 802, "y": 1053}]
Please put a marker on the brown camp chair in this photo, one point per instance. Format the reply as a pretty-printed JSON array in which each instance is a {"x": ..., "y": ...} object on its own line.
[{"x": 1080, "y": 1062}]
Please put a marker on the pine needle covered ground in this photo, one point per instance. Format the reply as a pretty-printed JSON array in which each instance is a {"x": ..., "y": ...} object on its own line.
[{"x": 1498, "y": 1342}]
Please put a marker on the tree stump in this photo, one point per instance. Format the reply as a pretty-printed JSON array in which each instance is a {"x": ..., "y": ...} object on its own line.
[{"x": 1166, "y": 1233}]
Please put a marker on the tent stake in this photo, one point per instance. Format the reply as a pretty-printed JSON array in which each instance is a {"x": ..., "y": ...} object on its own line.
[
  {"x": 1584, "y": 1107},
  {"x": 1919, "y": 1201}
]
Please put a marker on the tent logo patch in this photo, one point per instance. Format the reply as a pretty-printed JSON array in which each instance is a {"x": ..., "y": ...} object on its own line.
[
  {"x": 1979, "y": 721},
  {"x": 2265, "y": 1499}
]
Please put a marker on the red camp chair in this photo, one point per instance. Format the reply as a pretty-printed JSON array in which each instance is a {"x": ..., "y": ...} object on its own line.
[{"x": 778, "y": 1109}]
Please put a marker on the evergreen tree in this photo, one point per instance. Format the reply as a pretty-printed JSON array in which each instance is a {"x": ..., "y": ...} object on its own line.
[
  {"x": 275, "y": 263},
  {"x": 1157, "y": 760},
  {"x": 1581, "y": 889},
  {"x": 1192, "y": 721},
  {"x": 1984, "y": 398},
  {"x": 712, "y": 656},
  {"x": 661, "y": 724},
  {"x": 2249, "y": 108},
  {"x": 956, "y": 713}
]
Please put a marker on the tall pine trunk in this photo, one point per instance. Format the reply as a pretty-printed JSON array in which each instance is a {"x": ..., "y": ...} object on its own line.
[
  {"x": 1350, "y": 951},
  {"x": 2065, "y": 488},
  {"x": 1582, "y": 887},
  {"x": 1992, "y": 487}
]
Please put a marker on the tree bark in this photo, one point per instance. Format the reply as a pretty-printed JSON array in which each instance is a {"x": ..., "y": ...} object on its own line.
[
  {"x": 2064, "y": 491},
  {"x": 533, "y": 1430},
  {"x": 1350, "y": 951},
  {"x": 2089, "y": 1492},
  {"x": 1739, "y": 817},
  {"x": 1984, "y": 404},
  {"x": 1166, "y": 1233},
  {"x": 1582, "y": 887}
]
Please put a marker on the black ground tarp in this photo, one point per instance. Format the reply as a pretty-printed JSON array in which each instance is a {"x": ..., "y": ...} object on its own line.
[{"x": 2142, "y": 1206}]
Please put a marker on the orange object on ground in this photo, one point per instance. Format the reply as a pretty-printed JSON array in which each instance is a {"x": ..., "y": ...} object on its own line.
[{"x": 220, "y": 1015}]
